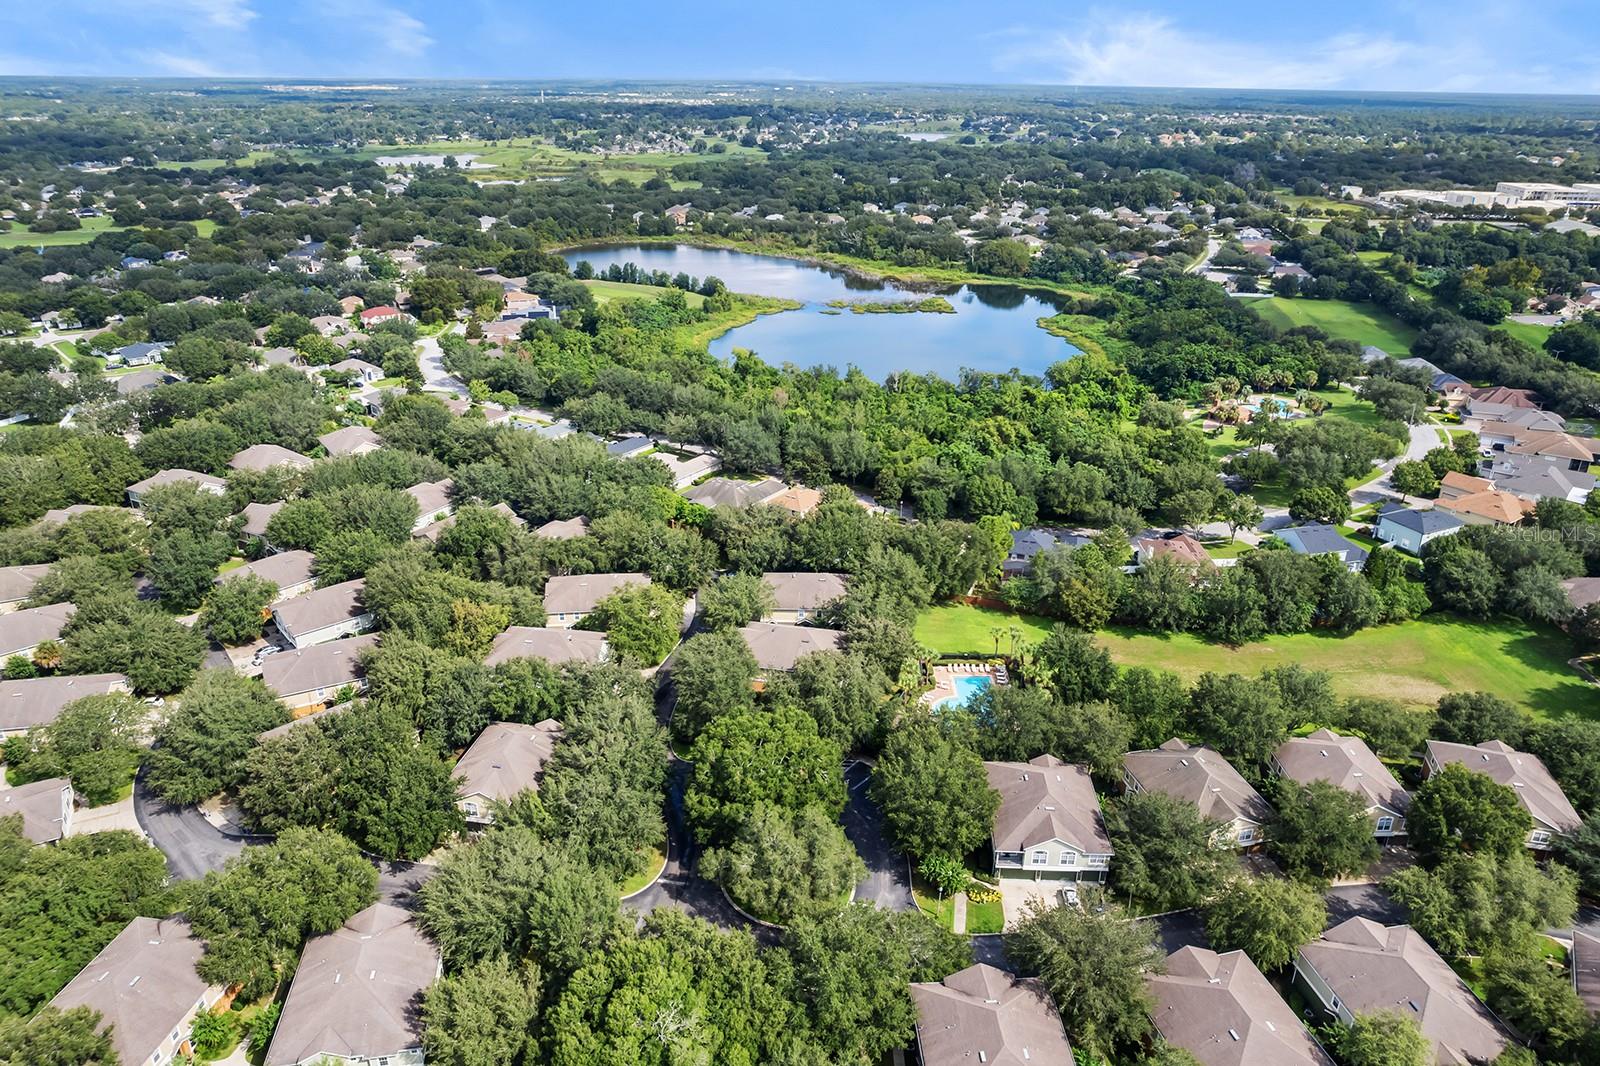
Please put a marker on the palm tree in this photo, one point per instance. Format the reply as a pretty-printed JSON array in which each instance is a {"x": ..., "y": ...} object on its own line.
[
  {"x": 996, "y": 632},
  {"x": 1015, "y": 632},
  {"x": 47, "y": 656}
]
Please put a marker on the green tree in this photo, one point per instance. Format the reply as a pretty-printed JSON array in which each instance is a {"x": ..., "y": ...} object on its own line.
[
  {"x": 1242, "y": 717},
  {"x": 236, "y": 610},
  {"x": 781, "y": 864},
  {"x": 1165, "y": 857},
  {"x": 157, "y": 653},
  {"x": 852, "y": 972},
  {"x": 1580, "y": 852},
  {"x": 1322, "y": 831},
  {"x": 94, "y": 741},
  {"x": 1538, "y": 1000},
  {"x": 1267, "y": 918},
  {"x": 1391, "y": 728},
  {"x": 1382, "y": 1038},
  {"x": 1458, "y": 809},
  {"x": 748, "y": 758},
  {"x": 182, "y": 565},
  {"x": 1414, "y": 479},
  {"x": 200, "y": 747},
  {"x": 1471, "y": 903},
  {"x": 639, "y": 621},
  {"x": 734, "y": 600},
  {"x": 483, "y": 1015},
  {"x": 1320, "y": 504},
  {"x": 53, "y": 1037},
  {"x": 845, "y": 693},
  {"x": 932, "y": 787},
  {"x": 1474, "y": 717},
  {"x": 712, "y": 676}
]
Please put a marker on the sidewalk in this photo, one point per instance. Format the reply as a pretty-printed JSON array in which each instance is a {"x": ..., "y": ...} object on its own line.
[{"x": 958, "y": 916}]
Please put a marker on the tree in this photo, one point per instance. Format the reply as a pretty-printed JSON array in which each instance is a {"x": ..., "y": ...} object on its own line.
[
  {"x": 200, "y": 747},
  {"x": 157, "y": 653},
  {"x": 781, "y": 864},
  {"x": 1414, "y": 478},
  {"x": 1094, "y": 963},
  {"x": 712, "y": 676},
  {"x": 1458, "y": 809},
  {"x": 1074, "y": 666},
  {"x": 852, "y": 971},
  {"x": 1470, "y": 904},
  {"x": 1580, "y": 852},
  {"x": 1464, "y": 579},
  {"x": 483, "y": 1015},
  {"x": 747, "y": 758},
  {"x": 1320, "y": 504},
  {"x": 844, "y": 692},
  {"x": 53, "y": 1037},
  {"x": 932, "y": 788},
  {"x": 1391, "y": 728},
  {"x": 1096, "y": 734},
  {"x": 1474, "y": 717},
  {"x": 1240, "y": 512},
  {"x": 94, "y": 741},
  {"x": 1267, "y": 918},
  {"x": 1382, "y": 1038},
  {"x": 1539, "y": 1001},
  {"x": 236, "y": 610},
  {"x": 639, "y": 621},
  {"x": 1165, "y": 854},
  {"x": 734, "y": 600},
  {"x": 182, "y": 565},
  {"x": 1241, "y": 716},
  {"x": 1322, "y": 831}
]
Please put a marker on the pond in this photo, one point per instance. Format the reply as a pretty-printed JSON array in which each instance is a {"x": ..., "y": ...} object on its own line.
[{"x": 993, "y": 328}]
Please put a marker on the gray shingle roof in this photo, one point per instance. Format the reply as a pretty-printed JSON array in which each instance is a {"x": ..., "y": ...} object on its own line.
[
  {"x": 332, "y": 665},
  {"x": 552, "y": 645},
  {"x": 1221, "y": 1010},
  {"x": 804, "y": 592},
  {"x": 16, "y": 582},
  {"x": 1432, "y": 520},
  {"x": 285, "y": 569},
  {"x": 1046, "y": 799},
  {"x": 21, "y": 630},
  {"x": 40, "y": 805},
  {"x": 1201, "y": 776},
  {"x": 984, "y": 1014},
  {"x": 322, "y": 608},
  {"x": 580, "y": 593},
  {"x": 1319, "y": 538},
  {"x": 1524, "y": 774},
  {"x": 779, "y": 647},
  {"x": 1343, "y": 761},
  {"x": 38, "y": 700},
  {"x": 729, "y": 492},
  {"x": 506, "y": 758}
]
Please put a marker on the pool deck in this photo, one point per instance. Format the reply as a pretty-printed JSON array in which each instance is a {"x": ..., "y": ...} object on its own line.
[{"x": 945, "y": 691}]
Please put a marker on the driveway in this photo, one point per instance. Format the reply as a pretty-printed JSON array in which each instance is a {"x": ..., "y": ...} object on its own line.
[
  {"x": 1423, "y": 439},
  {"x": 1180, "y": 929},
  {"x": 888, "y": 880},
  {"x": 1363, "y": 901},
  {"x": 1016, "y": 893},
  {"x": 193, "y": 846}
]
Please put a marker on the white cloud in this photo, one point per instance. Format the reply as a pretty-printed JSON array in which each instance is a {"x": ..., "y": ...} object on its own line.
[
  {"x": 187, "y": 66},
  {"x": 394, "y": 31}
]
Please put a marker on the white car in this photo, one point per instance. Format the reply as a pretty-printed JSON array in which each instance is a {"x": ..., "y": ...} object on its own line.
[{"x": 1069, "y": 896}]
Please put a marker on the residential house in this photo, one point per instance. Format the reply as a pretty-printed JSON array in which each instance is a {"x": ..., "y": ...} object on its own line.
[
  {"x": 797, "y": 596},
  {"x": 568, "y": 599},
  {"x": 1535, "y": 478},
  {"x": 266, "y": 457},
  {"x": 506, "y": 760},
  {"x": 60, "y": 516},
  {"x": 356, "y": 994},
  {"x": 1537, "y": 791},
  {"x": 1319, "y": 538},
  {"x": 324, "y": 615},
  {"x": 304, "y": 720},
  {"x": 1048, "y": 825},
  {"x": 564, "y": 528},
  {"x": 141, "y": 354},
  {"x": 1497, "y": 421},
  {"x": 554, "y": 646},
  {"x": 351, "y": 304},
  {"x": 1359, "y": 967},
  {"x": 311, "y": 676},
  {"x": 798, "y": 500},
  {"x": 985, "y": 1015},
  {"x": 16, "y": 584},
  {"x": 1199, "y": 775},
  {"x": 143, "y": 381},
  {"x": 45, "y": 808},
  {"x": 629, "y": 447},
  {"x": 33, "y": 701},
  {"x": 204, "y": 482},
  {"x": 1170, "y": 544},
  {"x": 777, "y": 647},
  {"x": 1585, "y": 962},
  {"x": 255, "y": 519},
  {"x": 330, "y": 325},
  {"x": 1579, "y": 453},
  {"x": 524, "y": 306},
  {"x": 360, "y": 371},
  {"x": 308, "y": 257},
  {"x": 1026, "y": 543},
  {"x": 686, "y": 470},
  {"x": 730, "y": 492},
  {"x": 1502, "y": 395},
  {"x": 1348, "y": 763},
  {"x": 433, "y": 502},
  {"x": 351, "y": 440},
  {"x": 1491, "y": 508},
  {"x": 374, "y": 316},
  {"x": 294, "y": 572},
  {"x": 1409, "y": 529},
  {"x": 144, "y": 987},
  {"x": 1221, "y": 1010},
  {"x": 21, "y": 632},
  {"x": 1454, "y": 485}
]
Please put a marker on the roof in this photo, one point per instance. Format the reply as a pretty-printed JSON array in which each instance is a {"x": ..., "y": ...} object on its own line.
[
  {"x": 322, "y": 608},
  {"x": 1343, "y": 761},
  {"x": 39, "y": 803},
  {"x": 1199, "y": 775},
  {"x": 984, "y": 1014},
  {"x": 1539, "y": 477},
  {"x": 143, "y": 984},
  {"x": 432, "y": 496},
  {"x": 22, "y": 630},
  {"x": 1026, "y": 543},
  {"x": 580, "y": 593},
  {"x": 627, "y": 446},
  {"x": 779, "y": 647},
  {"x": 321, "y": 666},
  {"x": 730, "y": 492},
  {"x": 349, "y": 439},
  {"x": 1423, "y": 522},
  {"x": 564, "y": 528},
  {"x": 1318, "y": 538},
  {"x": 267, "y": 456},
  {"x": 1554, "y": 443},
  {"x": 280, "y": 356},
  {"x": 1221, "y": 1010},
  {"x": 39, "y": 700},
  {"x": 62, "y": 515},
  {"x": 256, "y": 516},
  {"x": 552, "y": 645},
  {"x": 506, "y": 759},
  {"x": 381, "y": 311},
  {"x": 800, "y": 499},
  {"x": 1582, "y": 591},
  {"x": 1524, "y": 774},
  {"x": 357, "y": 989},
  {"x": 16, "y": 582},
  {"x": 304, "y": 720},
  {"x": 1465, "y": 483},
  {"x": 804, "y": 592},
  {"x": 357, "y": 366},
  {"x": 1046, "y": 799},
  {"x": 1509, "y": 397},
  {"x": 140, "y": 380},
  {"x": 1173, "y": 543},
  {"x": 176, "y": 477},
  {"x": 285, "y": 569},
  {"x": 1503, "y": 508},
  {"x": 1372, "y": 967},
  {"x": 1586, "y": 969}
]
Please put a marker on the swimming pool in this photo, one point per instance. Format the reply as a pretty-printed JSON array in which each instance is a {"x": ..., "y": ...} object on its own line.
[{"x": 968, "y": 687}]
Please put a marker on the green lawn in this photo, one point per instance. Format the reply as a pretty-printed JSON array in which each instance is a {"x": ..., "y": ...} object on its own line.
[
  {"x": 22, "y": 237},
  {"x": 606, "y": 291},
  {"x": 651, "y": 871},
  {"x": 1361, "y": 322},
  {"x": 985, "y": 917},
  {"x": 962, "y": 629}
]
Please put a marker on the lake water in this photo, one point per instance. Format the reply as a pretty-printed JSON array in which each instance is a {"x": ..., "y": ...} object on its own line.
[{"x": 994, "y": 328}]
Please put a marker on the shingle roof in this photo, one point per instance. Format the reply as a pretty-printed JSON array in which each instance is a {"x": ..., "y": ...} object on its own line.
[
  {"x": 1221, "y": 1010},
  {"x": 779, "y": 647},
  {"x": 21, "y": 630},
  {"x": 16, "y": 582},
  {"x": 1508, "y": 396},
  {"x": 579, "y": 593},
  {"x": 175, "y": 477},
  {"x": 1582, "y": 591},
  {"x": 267, "y": 456},
  {"x": 348, "y": 440},
  {"x": 551, "y": 645},
  {"x": 506, "y": 759},
  {"x": 143, "y": 984},
  {"x": 1423, "y": 522},
  {"x": 331, "y": 665},
  {"x": 40, "y": 805},
  {"x": 1465, "y": 483},
  {"x": 804, "y": 592},
  {"x": 1343, "y": 761},
  {"x": 1318, "y": 538},
  {"x": 1524, "y": 774},
  {"x": 728, "y": 492},
  {"x": 984, "y": 1014},
  {"x": 1537, "y": 477},
  {"x": 304, "y": 720},
  {"x": 1199, "y": 775},
  {"x": 1372, "y": 967},
  {"x": 285, "y": 569},
  {"x": 564, "y": 528},
  {"x": 1046, "y": 799},
  {"x": 1176, "y": 544},
  {"x": 432, "y": 496},
  {"x": 322, "y": 608},
  {"x": 357, "y": 990},
  {"x": 1556, "y": 444},
  {"x": 256, "y": 516},
  {"x": 38, "y": 700}
]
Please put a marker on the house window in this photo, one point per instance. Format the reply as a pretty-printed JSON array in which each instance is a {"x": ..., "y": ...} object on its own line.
[
  {"x": 1068, "y": 859},
  {"x": 1040, "y": 858},
  {"x": 1246, "y": 835},
  {"x": 1539, "y": 836},
  {"x": 1385, "y": 824},
  {"x": 1336, "y": 1004},
  {"x": 472, "y": 809}
]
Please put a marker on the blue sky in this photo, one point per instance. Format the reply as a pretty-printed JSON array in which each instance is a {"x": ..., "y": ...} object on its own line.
[{"x": 1418, "y": 45}]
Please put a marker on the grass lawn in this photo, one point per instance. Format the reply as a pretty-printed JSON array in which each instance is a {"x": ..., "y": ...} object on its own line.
[
  {"x": 1361, "y": 322},
  {"x": 985, "y": 917},
  {"x": 22, "y": 237},
  {"x": 928, "y": 902},
  {"x": 652, "y": 870},
  {"x": 606, "y": 291},
  {"x": 960, "y": 629},
  {"x": 1225, "y": 550}
]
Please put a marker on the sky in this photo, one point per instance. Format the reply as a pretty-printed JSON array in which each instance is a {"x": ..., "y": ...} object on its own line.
[{"x": 1394, "y": 45}]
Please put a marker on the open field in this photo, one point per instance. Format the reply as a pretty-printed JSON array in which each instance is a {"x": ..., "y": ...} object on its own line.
[
  {"x": 963, "y": 629},
  {"x": 21, "y": 237},
  {"x": 1324, "y": 204},
  {"x": 1532, "y": 335},
  {"x": 1360, "y": 322},
  {"x": 606, "y": 291}
]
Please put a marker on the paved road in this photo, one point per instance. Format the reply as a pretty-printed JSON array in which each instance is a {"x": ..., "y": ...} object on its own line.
[
  {"x": 888, "y": 880},
  {"x": 193, "y": 846},
  {"x": 1424, "y": 438},
  {"x": 434, "y": 376},
  {"x": 1213, "y": 246}
]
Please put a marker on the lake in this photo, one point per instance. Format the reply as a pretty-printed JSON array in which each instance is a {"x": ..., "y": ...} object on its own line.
[{"x": 994, "y": 327}]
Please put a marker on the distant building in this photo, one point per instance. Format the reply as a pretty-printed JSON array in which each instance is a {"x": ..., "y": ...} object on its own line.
[
  {"x": 312, "y": 676},
  {"x": 1318, "y": 538},
  {"x": 17, "y": 582},
  {"x": 324, "y": 615},
  {"x": 267, "y": 456},
  {"x": 204, "y": 482},
  {"x": 777, "y": 648},
  {"x": 554, "y": 646},
  {"x": 351, "y": 440},
  {"x": 21, "y": 632}
]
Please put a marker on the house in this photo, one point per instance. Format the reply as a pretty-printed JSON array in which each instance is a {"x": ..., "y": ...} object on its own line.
[
  {"x": 141, "y": 354},
  {"x": 1579, "y": 453},
  {"x": 1498, "y": 421},
  {"x": 1026, "y": 543},
  {"x": 1500, "y": 394},
  {"x": 329, "y": 325},
  {"x": 21, "y": 632},
  {"x": 1536, "y": 478},
  {"x": 1537, "y": 791},
  {"x": 1199, "y": 775},
  {"x": 1048, "y": 825},
  {"x": 267, "y": 456},
  {"x": 1319, "y": 538},
  {"x": 351, "y": 304},
  {"x": 27, "y": 702},
  {"x": 351, "y": 440},
  {"x": 279, "y": 356},
  {"x": 686, "y": 470},
  {"x": 798, "y": 500},
  {"x": 796, "y": 597},
  {"x": 1582, "y": 591},
  {"x": 554, "y": 646},
  {"x": 45, "y": 808},
  {"x": 312, "y": 676},
  {"x": 1409, "y": 529},
  {"x": 60, "y": 516},
  {"x": 304, "y": 720},
  {"x": 308, "y": 257},
  {"x": 1454, "y": 485},
  {"x": 433, "y": 502},
  {"x": 506, "y": 760},
  {"x": 294, "y": 572},
  {"x": 778, "y": 647},
  {"x": 203, "y": 482},
  {"x": 1359, "y": 966},
  {"x": 564, "y": 528},
  {"x": 374, "y": 316},
  {"x": 1348, "y": 763},
  {"x": 1172, "y": 544},
  {"x": 361, "y": 371},
  {"x": 256, "y": 517},
  {"x": 730, "y": 492},
  {"x": 629, "y": 447},
  {"x": 568, "y": 599},
  {"x": 1585, "y": 962},
  {"x": 1491, "y": 508},
  {"x": 985, "y": 1015},
  {"x": 143, "y": 381},
  {"x": 16, "y": 584},
  {"x": 1221, "y": 1010},
  {"x": 356, "y": 993},
  {"x": 144, "y": 987},
  {"x": 324, "y": 615}
]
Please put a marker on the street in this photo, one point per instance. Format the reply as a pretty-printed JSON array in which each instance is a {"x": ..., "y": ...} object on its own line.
[{"x": 888, "y": 880}]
